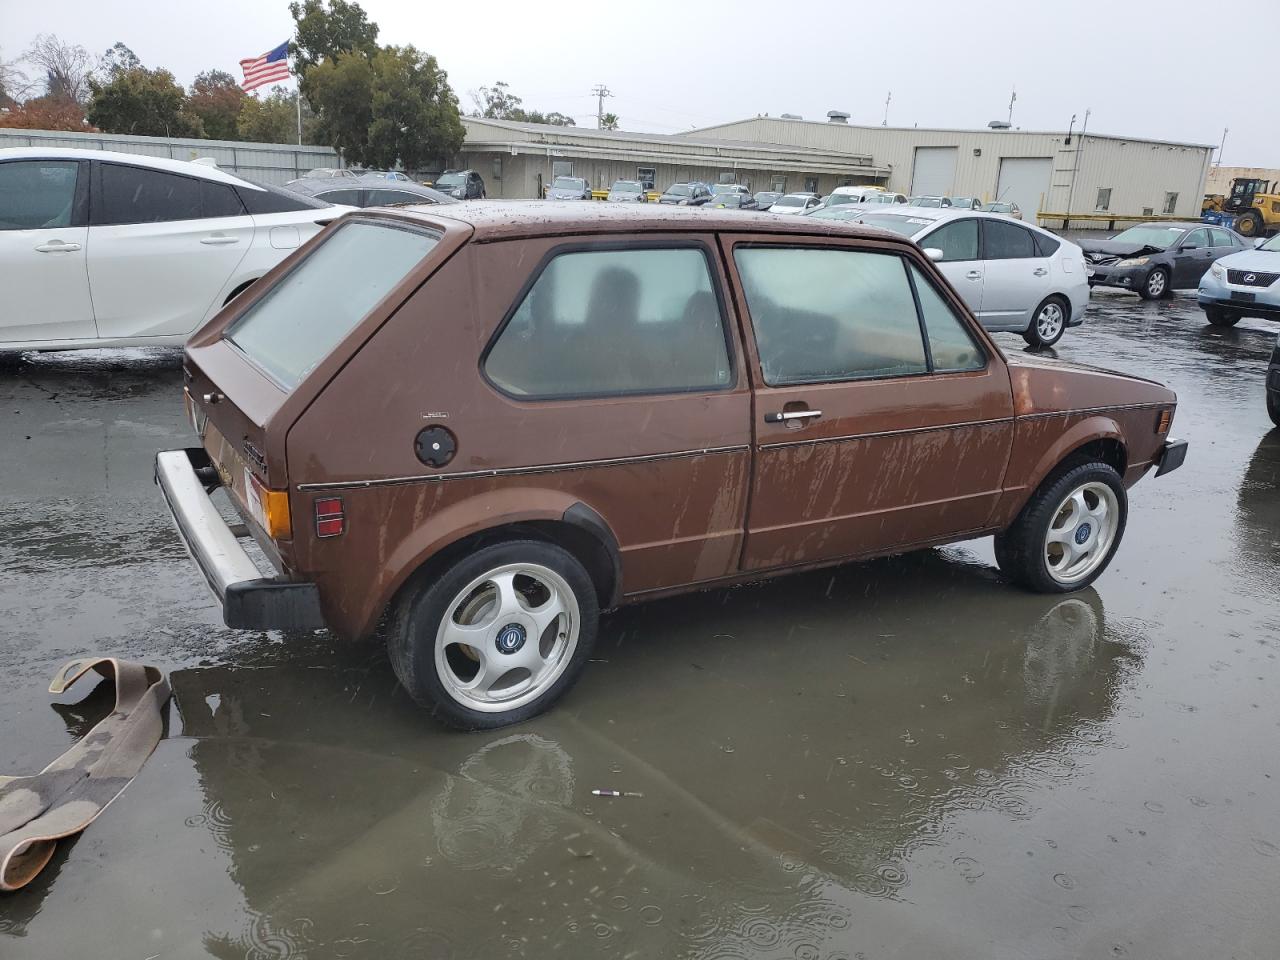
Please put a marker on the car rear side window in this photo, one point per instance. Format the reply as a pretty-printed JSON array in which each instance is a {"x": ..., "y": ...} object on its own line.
[
  {"x": 608, "y": 322},
  {"x": 951, "y": 345},
  {"x": 1046, "y": 246},
  {"x": 396, "y": 196},
  {"x": 349, "y": 197},
  {"x": 264, "y": 198},
  {"x": 37, "y": 194},
  {"x": 957, "y": 240},
  {"x": 822, "y": 315},
  {"x": 139, "y": 195},
  {"x": 1004, "y": 241},
  {"x": 219, "y": 200},
  {"x": 317, "y": 303},
  {"x": 1222, "y": 239}
]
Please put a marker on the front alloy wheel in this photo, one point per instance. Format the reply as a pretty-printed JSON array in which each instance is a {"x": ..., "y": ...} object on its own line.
[{"x": 1156, "y": 284}]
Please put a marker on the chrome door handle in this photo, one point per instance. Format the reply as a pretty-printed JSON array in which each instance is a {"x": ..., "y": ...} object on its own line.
[
  {"x": 1041, "y": 271},
  {"x": 786, "y": 415},
  {"x": 973, "y": 275},
  {"x": 218, "y": 240},
  {"x": 57, "y": 246}
]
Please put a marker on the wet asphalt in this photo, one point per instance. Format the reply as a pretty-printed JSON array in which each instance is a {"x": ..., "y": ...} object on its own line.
[{"x": 903, "y": 758}]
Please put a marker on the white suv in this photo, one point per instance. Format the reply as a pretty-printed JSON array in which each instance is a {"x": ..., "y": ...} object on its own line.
[{"x": 114, "y": 249}]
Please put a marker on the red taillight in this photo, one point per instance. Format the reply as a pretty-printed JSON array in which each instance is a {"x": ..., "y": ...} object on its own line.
[{"x": 331, "y": 521}]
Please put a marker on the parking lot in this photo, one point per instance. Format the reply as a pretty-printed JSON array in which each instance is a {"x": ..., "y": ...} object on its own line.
[{"x": 907, "y": 757}]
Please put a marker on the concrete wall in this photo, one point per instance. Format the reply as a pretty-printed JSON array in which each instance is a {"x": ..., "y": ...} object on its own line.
[
  {"x": 1138, "y": 172},
  {"x": 273, "y": 163}
]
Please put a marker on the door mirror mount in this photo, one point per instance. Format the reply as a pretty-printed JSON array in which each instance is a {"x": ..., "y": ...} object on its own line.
[{"x": 934, "y": 254}]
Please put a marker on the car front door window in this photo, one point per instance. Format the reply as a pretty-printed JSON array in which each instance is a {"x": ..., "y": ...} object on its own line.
[{"x": 961, "y": 260}]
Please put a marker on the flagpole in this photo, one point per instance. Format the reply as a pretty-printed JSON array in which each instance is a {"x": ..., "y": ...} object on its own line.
[{"x": 297, "y": 82}]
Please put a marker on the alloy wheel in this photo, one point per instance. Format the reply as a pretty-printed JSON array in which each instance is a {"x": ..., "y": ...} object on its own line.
[
  {"x": 1082, "y": 532},
  {"x": 1049, "y": 322},
  {"x": 1156, "y": 283}
]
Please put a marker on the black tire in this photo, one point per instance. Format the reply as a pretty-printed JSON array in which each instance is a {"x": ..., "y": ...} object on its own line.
[
  {"x": 1032, "y": 334},
  {"x": 1153, "y": 288},
  {"x": 1221, "y": 318},
  {"x": 419, "y": 612},
  {"x": 1273, "y": 406},
  {"x": 1021, "y": 551},
  {"x": 1249, "y": 224}
]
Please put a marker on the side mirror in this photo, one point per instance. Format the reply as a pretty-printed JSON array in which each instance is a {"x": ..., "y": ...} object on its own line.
[{"x": 934, "y": 254}]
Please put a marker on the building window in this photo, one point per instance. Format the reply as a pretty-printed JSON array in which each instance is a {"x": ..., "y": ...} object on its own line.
[
  {"x": 1170, "y": 203},
  {"x": 727, "y": 176},
  {"x": 497, "y": 167},
  {"x": 561, "y": 168},
  {"x": 810, "y": 184},
  {"x": 1104, "y": 199},
  {"x": 779, "y": 184},
  {"x": 647, "y": 175},
  {"x": 845, "y": 182}
]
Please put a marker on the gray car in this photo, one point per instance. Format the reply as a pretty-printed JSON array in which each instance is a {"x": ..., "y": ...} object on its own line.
[
  {"x": 461, "y": 184},
  {"x": 569, "y": 188},
  {"x": 368, "y": 191},
  {"x": 1242, "y": 284},
  {"x": 627, "y": 191}
]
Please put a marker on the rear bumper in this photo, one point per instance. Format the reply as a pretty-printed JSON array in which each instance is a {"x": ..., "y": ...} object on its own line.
[
  {"x": 1171, "y": 456},
  {"x": 249, "y": 600}
]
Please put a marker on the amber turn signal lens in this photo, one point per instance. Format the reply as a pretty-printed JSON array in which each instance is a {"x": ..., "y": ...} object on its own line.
[
  {"x": 1164, "y": 422},
  {"x": 275, "y": 514}
]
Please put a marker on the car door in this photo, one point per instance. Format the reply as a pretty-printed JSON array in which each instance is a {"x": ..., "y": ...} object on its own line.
[
  {"x": 43, "y": 243},
  {"x": 961, "y": 261},
  {"x": 1191, "y": 258},
  {"x": 1015, "y": 277},
  {"x": 156, "y": 261},
  {"x": 1223, "y": 244},
  {"x": 869, "y": 435}
]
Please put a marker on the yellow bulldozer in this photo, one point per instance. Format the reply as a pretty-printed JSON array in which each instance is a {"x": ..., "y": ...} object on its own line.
[{"x": 1252, "y": 207}]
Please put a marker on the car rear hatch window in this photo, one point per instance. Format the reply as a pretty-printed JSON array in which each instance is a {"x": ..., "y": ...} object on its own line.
[{"x": 308, "y": 312}]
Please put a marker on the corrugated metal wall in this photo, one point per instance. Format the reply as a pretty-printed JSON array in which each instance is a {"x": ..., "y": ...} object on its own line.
[{"x": 274, "y": 163}]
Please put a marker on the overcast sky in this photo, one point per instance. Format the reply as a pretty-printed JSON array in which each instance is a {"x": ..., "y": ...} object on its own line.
[{"x": 1166, "y": 71}]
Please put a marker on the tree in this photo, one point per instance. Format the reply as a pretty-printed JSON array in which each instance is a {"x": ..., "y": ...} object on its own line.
[
  {"x": 15, "y": 86},
  {"x": 142, "y": 102},
  {"x": 499, "y": 103},
  {"x": 609, "y": 121},
  {"x": 274, "y": 118},
  {"x": 46, "y": 113},
  {"x": 65, "y": 66},
  {"x": 396, "y": 106},
  {"x": 217, "y": 100},
  {"x": 322, "y": 33},
  {"x": 117, "y": 58}
]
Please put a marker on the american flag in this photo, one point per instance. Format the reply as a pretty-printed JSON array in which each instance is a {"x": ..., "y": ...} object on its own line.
[{"x": 268, "y": 68}]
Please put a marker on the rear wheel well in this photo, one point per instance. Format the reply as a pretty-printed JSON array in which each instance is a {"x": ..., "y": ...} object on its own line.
[{"x": 239, "y": 290}]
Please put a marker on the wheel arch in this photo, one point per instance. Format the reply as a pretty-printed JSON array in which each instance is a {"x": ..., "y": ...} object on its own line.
[
  {"x": 239, "y": 289},
  {"x": 1097, "y": 438}
]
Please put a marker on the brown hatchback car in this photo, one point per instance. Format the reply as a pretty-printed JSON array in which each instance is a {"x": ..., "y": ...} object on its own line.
[{"x": 482, "y": 424}]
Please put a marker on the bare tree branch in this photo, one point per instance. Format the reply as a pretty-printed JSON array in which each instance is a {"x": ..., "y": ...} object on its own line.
[{"x": 66, "y": 67}]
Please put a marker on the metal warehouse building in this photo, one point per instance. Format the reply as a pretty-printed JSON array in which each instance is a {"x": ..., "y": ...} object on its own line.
[
  {"x": 1042, "y": 171},
  {"x": 519, "y": 159}
]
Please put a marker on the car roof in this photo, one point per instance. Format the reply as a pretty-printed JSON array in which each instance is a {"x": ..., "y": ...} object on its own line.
[
  {"x": 492, "y": 220},
  {"x": 184, "y": 167}
]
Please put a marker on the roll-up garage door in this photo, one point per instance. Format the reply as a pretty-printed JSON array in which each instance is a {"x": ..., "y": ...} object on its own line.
[
  {"x": 934, "y": 172},
  {"x": 1025, "y": 181}
]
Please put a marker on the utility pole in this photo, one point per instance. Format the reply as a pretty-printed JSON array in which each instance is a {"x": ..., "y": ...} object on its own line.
[
  {"x": 1011, "y": 99},
  {"x": 600, "y": 91},
  {"x": 885, "y": 121}
]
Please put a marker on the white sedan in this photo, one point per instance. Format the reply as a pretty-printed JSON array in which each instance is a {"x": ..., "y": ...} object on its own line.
[
  {"x": 115, "y": 249},
  {"x": 795, "y": 203},
  {"x": 1012, "y": 275}
]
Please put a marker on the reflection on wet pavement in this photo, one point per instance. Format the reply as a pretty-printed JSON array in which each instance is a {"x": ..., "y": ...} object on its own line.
[{"x": 901, "y": 758}]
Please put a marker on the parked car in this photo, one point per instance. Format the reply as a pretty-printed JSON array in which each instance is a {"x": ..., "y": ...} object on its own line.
[
  {"x": 850, "y": 212},
  {"x": 490, "y": 465},
  {"x": 929, "y": 201},
  {"x": 569, "y": 188},
  {"x": 722, "y": 188},
  {"x": 842, "y": 195},
  {"x": 885, "y": 197},
  {"x": 767, "y": 198},
  {"x": 1013, "y": 276},
  {"x": 794, "y": 203},
  {"x": 1273, "y": 384},
  {"x": 371, "y": 190},
  {"x": 1007, "y": 207},
  {"x": 627, "y": 191},
  {"x": 326, "y": 173},
  {"x": 384, "y": 175},
  {"x": 461, "y": 184},
  {"x": 143, "y": 256},
  {"x": 733, "y": 201},
  {"x": 686, "y": 194},
  {"x": 966, "y": 203},
  {"x": 1245, "y": 283},
  {"x": 1154, "y": 259}
]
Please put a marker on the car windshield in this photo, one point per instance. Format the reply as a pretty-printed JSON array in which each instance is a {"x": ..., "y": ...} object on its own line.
[
  {"x": 299, "y": 320},
  {"x": 1272, "y": 244},
  {"x": 789, "y": 202},
  {"x": 997, "y": 208},
  {"x": 679, "y": 190},
  {"x": 626, "y": 186},
  {"x": 843, "y": 212},
  {"x": 881, "y": 198},
  {"x": 898, "y": 223},
  {"x": 451, "y": 180},
  {"x": 1150, "y": 235},
  {"x": 567, "y": 183},
  {"x": 837, "y": 198}
]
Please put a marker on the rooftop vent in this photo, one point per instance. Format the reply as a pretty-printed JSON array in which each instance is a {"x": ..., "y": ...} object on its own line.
[
  {"x": 792, "y": 116},
  {"x": 1000, "y": 125},
  {"x": 837, "y": 116}
]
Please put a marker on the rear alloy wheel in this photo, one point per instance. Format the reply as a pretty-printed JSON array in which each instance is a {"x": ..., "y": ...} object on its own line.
[
  {"x": 1273, "y": 406},
  {"x": 1249, "y": 224},
  {"x": 1156, "y": 285},
  {"x": 1048, "y": 324},
  {"x": 1221, "y": 318},
  {"x": 498, "y": 637},
  {"x": 1068, "y": 531}
]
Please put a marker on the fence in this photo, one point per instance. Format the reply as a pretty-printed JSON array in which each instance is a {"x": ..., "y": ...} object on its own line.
[{"x": 274, "y": 163}]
